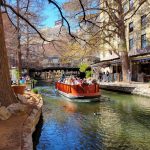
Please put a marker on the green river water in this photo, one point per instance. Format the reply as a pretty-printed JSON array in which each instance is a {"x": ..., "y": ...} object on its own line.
[{"x": 118, "y": 122}]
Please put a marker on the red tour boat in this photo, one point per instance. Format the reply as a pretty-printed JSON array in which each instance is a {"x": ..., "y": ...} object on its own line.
[{"x": 81, "y": 91}]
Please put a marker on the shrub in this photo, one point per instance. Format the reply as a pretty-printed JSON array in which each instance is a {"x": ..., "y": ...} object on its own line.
[
  {"x": 83, "y": 67},
  {"x": 35, "y": 91},
  {"x": 88, "y": 74},
  {"x": 86, "y": 69}
]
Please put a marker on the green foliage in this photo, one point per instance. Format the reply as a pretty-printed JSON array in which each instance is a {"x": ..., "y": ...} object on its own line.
[
  {"x": 88, "y": 74},
  {"x": 87, "y": 69},
  {"x": 35, "y": 81},
  {"x": 83, "y": 67},
  {"x": 35, "y": 91},
  {"x": 17, "y": 74}
]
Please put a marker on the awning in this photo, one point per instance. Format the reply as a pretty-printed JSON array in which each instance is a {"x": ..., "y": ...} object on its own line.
[{"x": 141, "y": 59}]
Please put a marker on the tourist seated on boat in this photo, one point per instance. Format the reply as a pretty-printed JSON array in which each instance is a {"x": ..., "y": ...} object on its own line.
[
  {"x": 66, "y": 81},
  {"x": 70, "y": 81},
  {"x": 77, "y": 81},
  {"x": 84, "y": 81},
  {"x": 62, "y": 78},
  {"x": 94, "y": 81},
  {"x": 91, "y": 81}
]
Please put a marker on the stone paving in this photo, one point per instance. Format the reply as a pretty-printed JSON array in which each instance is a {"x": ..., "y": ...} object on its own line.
[{"x": 10, "y": 132}]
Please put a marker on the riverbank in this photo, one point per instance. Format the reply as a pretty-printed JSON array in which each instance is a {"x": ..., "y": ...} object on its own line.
[
  {"x": 18, "y": 129},
  {"x": 142, "y": 89}
]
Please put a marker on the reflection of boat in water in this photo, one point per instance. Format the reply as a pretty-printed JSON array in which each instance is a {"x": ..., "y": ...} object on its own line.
[
  {"x": 80, "y": 91},
  {"x": 69, "y": 107}
]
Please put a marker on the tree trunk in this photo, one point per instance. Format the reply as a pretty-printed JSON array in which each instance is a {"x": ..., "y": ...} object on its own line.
[
  {"x": 123, "y": 45},
  {"x": 124, "y": 60},
  {"x": 19, "y": 60},
  {"x": 27, "y": 54},
  {"x": 125, "y": 66},
  {"x": 7, "y": 96}
]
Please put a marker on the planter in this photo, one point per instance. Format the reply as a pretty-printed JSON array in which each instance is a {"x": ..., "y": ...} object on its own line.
[{"x": 19, "y": 89}]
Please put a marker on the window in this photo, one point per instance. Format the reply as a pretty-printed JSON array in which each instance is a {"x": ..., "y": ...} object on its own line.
[
  {"x": 143, "y": 21},
  {"x": 131, "y": 2},
  {"x": 131, "y": 43},
  {"x": 130, "y": 26},
  {"x": 143, "y": 41}
]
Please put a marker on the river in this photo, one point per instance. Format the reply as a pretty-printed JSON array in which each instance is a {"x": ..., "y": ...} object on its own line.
[{"x": 118, "y": 122}]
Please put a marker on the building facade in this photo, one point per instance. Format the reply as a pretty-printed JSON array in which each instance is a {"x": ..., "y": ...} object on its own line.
[{"x": 137, "y": 34}]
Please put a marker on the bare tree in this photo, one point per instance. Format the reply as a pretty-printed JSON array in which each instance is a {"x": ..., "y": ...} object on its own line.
[{"x": 6, "y": 94}]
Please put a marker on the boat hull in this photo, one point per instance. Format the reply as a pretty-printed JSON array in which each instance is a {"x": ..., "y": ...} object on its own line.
[{"x": 90, "y": 92}]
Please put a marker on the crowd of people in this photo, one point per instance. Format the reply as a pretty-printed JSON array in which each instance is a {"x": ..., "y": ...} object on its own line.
[
  {"x": 105, "y": 77},
  {"x": 110, "y": 77},
  {"x": 76, "y": 81}
]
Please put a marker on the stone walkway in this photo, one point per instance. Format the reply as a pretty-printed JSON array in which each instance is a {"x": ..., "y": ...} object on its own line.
[
  {"x": 11, "y": 132},
  {"x": 138, "y": 88},
  {"x": 16, "y": 132}
]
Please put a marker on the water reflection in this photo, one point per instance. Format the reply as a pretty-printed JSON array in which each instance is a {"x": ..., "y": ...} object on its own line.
[
  {"x": 121, "y": 123},
  {"x": 69, "y": 107}
]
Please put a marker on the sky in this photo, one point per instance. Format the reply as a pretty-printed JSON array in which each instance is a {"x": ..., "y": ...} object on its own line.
[{"x": 51, "y": 14}]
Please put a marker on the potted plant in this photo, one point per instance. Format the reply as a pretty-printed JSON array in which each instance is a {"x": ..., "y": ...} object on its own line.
[
  {"x": 19, "y": 89},
  {"x": 20, "y": 86}
]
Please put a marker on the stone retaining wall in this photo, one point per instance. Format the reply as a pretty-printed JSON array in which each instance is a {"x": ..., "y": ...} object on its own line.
[
  {"x": 18, "y": 122},
  {"x": 117, "y": 88},
  {"x": 138, "y": 89},
  {"x": 31, "y": 121}
]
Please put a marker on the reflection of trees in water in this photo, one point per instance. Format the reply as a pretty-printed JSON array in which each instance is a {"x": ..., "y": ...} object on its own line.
[
  {"x": 115, "y": 133},
  {"x": 141, "y": 112},
  {"x": 126, "y": 123},
  {"x": 142, "y": 102},
  {"x": 88, "y": 108},
  {"x": 110, "y": 126},
  {"x": 134, "y": 109}
]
